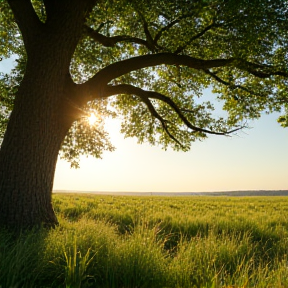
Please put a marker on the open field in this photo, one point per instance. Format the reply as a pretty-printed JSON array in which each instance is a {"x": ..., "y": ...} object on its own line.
[
  {"x": 242, "y": 193},
  {"x": 133, "y": 241}
]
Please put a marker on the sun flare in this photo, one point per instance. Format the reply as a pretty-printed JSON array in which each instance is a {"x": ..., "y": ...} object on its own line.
[{"x": 92, "y": 119}]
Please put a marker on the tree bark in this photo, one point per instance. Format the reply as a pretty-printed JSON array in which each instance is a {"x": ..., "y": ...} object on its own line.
[
  {"x": 42, "y": 112},
  {"x": 29, "y": 151},
  {"x": 37, "y": 126}
]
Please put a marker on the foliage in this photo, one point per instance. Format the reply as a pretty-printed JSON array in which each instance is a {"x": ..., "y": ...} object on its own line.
[
  {"x": 251, "y": 36},
  {"x": 87, "y": 139},
  {"x": 121, "y": 241},
  {"x": 76, "y": 266}
]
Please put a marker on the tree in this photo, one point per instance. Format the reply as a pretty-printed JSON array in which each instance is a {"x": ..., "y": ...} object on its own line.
[{"x": 146, "y": 61}]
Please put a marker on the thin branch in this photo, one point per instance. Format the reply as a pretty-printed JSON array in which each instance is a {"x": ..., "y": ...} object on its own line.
[
  {"x": 170, "y": 25},
  {"x": 165, "y": 28},
  {"x": 100, "y": 26},
  {"x": 230, "y": 85},
  {"x": 194, "y": 37},
  {"x": 143, "y": 94},
  {"x": 157, "y": 116},
  {"x": 112, "y": 41}
]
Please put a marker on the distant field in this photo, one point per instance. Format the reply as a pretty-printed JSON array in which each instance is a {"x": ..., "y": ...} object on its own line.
[
  {"x": 154, "y": 241},
  {"x": 222, "y": 193}
]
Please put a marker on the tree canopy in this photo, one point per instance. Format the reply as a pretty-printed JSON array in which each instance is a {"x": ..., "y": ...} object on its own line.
[{"x": 154, "y": 59}]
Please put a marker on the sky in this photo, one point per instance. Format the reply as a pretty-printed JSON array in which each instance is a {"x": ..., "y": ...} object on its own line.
[{"x": 253, "y": 159}]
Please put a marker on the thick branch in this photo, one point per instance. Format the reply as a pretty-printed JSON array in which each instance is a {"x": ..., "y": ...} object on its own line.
[
  {"x": 148, "y": 35},
  {"x": 112, "y": 41},
  {"x": 120, "y": 68},
  {"x": 260, "y": 70},
  {"x": 26, "y": 19},
  {"x": 96, "y": 87},
  {"x": 146, "y": 95},
  {"x": 123, "y": 67},
  {"x": 49, "y": 7},
  {"x": 73, "y": 12}
]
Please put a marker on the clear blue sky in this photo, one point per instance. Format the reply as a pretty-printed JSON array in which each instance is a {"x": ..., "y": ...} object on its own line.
[{"x": 255, "y": 159}]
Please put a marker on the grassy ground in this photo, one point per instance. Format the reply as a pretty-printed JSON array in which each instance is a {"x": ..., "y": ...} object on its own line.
[{"x": 129, "y": 242}]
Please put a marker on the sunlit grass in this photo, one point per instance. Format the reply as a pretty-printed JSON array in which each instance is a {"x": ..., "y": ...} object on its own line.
[{"x": 129, "y": 242}]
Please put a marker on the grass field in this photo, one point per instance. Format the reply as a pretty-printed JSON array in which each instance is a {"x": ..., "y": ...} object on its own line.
[{"x": 161, "y": 242}]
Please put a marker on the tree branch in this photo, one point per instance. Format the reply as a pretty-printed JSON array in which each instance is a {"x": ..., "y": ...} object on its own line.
[
  {"x": 198, "y": 35},
  {"x": 26, "y": 19},
  {"x": 123, "y": 67},
  {"x": 260, "y": 70},
  {"x": 170, "y": 25},
  {"x": 49, "y": 7},
  {"x": 96, "y": 87},
  {"x": 157, "y": 116},
  {"x": 75, "y": 10},
  {"x": 149, "y": 38},
  {"x": 150, "y": 107},
  {"x": 146, "y": 95},
  {"x": 112, "y": 41},
  {"x": 230, "y": 85}
]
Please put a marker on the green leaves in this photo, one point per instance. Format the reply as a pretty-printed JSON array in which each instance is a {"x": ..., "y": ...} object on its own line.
[
  {"x": 283, "y": 120},
  {"x": 252, "y": 34},
  {"x": 10, "y": 38},
  {"x": 86, "y": 139},
  {"x": 76, "y": 266}
]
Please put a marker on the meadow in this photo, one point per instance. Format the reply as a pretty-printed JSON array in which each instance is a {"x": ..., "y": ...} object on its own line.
[{"x": 158, "y": 242}]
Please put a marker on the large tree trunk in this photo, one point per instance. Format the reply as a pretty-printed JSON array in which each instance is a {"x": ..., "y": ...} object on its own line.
[
  {"x": 42, "y": 112},
  {"x": 28, "y": 155}
]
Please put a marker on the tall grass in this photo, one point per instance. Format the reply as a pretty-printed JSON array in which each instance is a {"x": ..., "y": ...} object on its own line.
[{"x": 129, "y": 242}]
